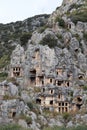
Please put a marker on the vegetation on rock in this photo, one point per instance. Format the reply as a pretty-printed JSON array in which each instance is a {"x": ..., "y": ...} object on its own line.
[
  {"x": 49, "y": 40},
  {"x": 24, "y": 38},
  {"x": 60, "y": 21},
  {"x": 63, "y": 128}
]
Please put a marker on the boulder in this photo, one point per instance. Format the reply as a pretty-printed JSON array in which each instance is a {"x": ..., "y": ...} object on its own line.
[
  {"x": 42, "y": 119},
  {"x": 34, "y": 126},
  {"x": 70, "y": 124},
  {"x": 25, "y": 96},
  {"x": 13, "y": 89},
  {"x": 84, "y": 118},
  {"x": 22, "y": 123},
  {"x": 54, "y": 122}
]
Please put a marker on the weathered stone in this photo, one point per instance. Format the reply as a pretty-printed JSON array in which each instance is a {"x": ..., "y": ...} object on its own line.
[
  {"x": 84, "y": 118},
  {"x": 33, "y": 115},
  {"x": 17, "y": 56},
  {"x": 38, "y": 64},
  {"x": 43, "y": 120},
  {"x": 13, "y": 89},
  {"x": 74, "y": 45},
  {"x": 54, "y": 122},
  {"x": 80, "y": 26},
  {"x": 34, "y": 126},
  {"x": 25, "y": 96},
  {"x": 70, "y": 124},
  {"x": 22, "y": 123},
  {"x": 67, "y": 37}
]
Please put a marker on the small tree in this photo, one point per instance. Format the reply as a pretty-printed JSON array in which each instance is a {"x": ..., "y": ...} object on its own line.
[
  {"x": 24, "y": 38},
  {"x": 30, "y": 105},
  {"x": 60, "y": 21},
  {"x": 29, "y": 120},
  {"x": 66, "y": 118},
  {"x": 85, "y": 88},
  {"x": 49, "y": 40}
]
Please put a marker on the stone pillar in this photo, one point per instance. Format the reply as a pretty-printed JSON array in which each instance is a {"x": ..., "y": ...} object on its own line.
[{"x": 11, "y": 72}]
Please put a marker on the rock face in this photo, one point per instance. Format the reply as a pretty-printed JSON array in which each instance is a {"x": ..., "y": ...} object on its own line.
[
  {"x": 41, "y": 56},
  {"x": 13, "y": 89},
  {"x": 69, "y": 1},
  {"x": 18, "y": 56},
  {"x": 62, "y": 65},
  {"x": 51, "y": 70},
  {"x": 23, "y": 123},
  {"x": 40, "y": 60}
]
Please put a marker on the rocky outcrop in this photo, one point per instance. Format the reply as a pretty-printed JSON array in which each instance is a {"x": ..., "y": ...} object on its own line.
[
  {"x": 46, "y": 71},
  {"x": 18, "y": 56}
]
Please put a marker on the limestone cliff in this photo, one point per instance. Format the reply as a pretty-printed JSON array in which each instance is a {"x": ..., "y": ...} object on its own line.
[{"x": 49, "y": 69}]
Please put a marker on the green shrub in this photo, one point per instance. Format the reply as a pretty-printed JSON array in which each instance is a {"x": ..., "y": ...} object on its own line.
[
  {"x": 80, "y": 128},
  {"x": 57, "y": 8},
  {"x": 57, "y": 128},
  {"x": 66, "y": 117},
  {"x": 79, "y": 16},
  {"x": 4, "y": 60},
  {"x": 10, "y": 127},
  {"x": 85, "y": 36},
  {"x": 30, "y": 105},
  {"x": 37, "y": 89},
  {"x": 24, "y": 38},
  {"x": 60, "y": 21},
  {"x": 13, "y": 80},
  {"x": 77, "y": 36},
  {"x": 84, "y": 88},
  {"x": 3, "y": 74},
  {"x": 71, "y": 93},
  {"x": 6, "y": 97},
  {"x": 49, "y": 40},
  {"x": 28, "y": 120},
  {"x": 59, "y": 36},
  {"x": 74, "y": 6},
  {"x": 42, "y": 29},
  {"x": 63, "y": 128}
]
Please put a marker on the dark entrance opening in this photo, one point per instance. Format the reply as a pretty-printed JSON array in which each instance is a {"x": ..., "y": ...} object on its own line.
[
  {"x": 76, "y": 50},
  {"x": 51, "y": 91},
  {"x": 68, "y": 84},
  {"x": 51, "y": 102},
  {"x": 17, "y": 73},
  {"x": 79, "y": 99},
  {"x": 13, "y": 114},
  {"x": 38, "y": 101},
  {"x": 42, "y": 82},
  {"x": 60, "y": 83},
  {"x": 66, "y": 109},
  {"x": 59, "y": 96},
  {"x": 79, "y": 106},
  {"x": 32, "y": 79},
  {"x": 50, "y": 80},
  {"x": 65, "y": 104},
  {"x": 43, "y": 89},
  {"x": 33, "y": 76},
  {"x": 59, "y": 109},
  {"x": 33, "y": 72},
  {"x": 63, "y": 109},
  {"x": 80, "y": 77},
  {"x": 59, "y": 104},
  {"x": 57, "y": 73},
  {"x": 62, "y": 103}
]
